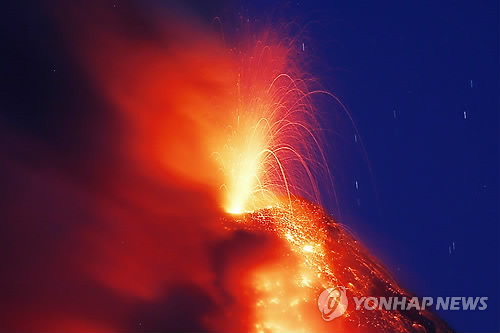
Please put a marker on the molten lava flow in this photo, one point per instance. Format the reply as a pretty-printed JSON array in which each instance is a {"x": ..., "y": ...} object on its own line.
[{"x": 318, "y": 253}]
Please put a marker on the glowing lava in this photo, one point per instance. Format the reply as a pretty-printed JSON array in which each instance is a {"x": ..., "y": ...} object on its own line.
[
  {"x": 271, "y": 150},
  {"x": 318, "y": 253}
]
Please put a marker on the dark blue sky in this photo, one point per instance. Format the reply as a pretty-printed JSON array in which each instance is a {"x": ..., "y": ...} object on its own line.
[{"x": 407, "y": 72}]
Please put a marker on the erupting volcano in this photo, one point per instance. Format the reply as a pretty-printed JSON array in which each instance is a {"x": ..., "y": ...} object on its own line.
[
  {"x": 206, "y": 215},
  {"x": 272, "y": 158}
]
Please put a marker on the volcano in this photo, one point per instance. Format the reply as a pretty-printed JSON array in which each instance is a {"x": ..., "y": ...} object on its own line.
[
  {"x": 178, "y": 210},
  {"x": 313, "y": 252}
]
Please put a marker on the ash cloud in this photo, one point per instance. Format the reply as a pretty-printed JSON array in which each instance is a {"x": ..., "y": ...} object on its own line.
[{"x": 110, "y": 211}]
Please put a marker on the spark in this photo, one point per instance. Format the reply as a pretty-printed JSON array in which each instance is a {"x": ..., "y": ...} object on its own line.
[{"x": 272, "y": 151}]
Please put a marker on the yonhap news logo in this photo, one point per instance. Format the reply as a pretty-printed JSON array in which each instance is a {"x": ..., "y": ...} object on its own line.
[{"x": 333, "y": 302}]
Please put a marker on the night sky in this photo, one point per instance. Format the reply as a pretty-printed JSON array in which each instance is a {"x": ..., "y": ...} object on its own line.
[{"x": 420, "y": 80}]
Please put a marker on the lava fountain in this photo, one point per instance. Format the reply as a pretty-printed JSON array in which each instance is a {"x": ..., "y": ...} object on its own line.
[{"x": 272, "y": 151}]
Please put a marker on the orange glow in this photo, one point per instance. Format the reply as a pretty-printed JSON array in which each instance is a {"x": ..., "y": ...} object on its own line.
[
  {"x": 271, "y": 150},
  {"x": 317, "y": 253}
]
